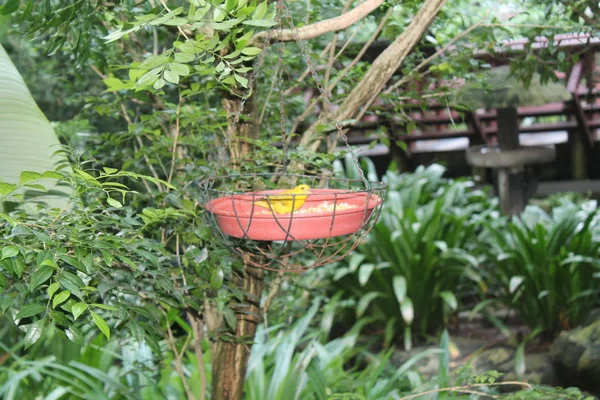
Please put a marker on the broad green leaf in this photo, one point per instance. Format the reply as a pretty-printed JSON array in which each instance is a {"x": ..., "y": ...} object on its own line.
[
  {"x": 40, "y": 276},
  {"x": 33, "y": 333},
  {"x": 60, "y": 298},
  {"x": 251, "y": 51},
  {"x": 114, "y": 203},
  {"x": 407, "y": 311},
  {"x": 514, "y": 283},
  {"x": 364, "y": 273},
  {"x": 30, "y": 310},
  {"x": 364, "y": 302},
  {"x": 101, "y": 324},
  {"x": 29, "y": 142},
  {"x": 110, "y": 171},
  {"x": 78, "y": 308},
  {"x": 263, "y": 23},
  {"x": 260, "y": 11},
  {"x": 7, "y": 188},
  {"x": 241, "y": 80},
  {"x": 399, "y": 284},
  {"x": 10, "y": 7},
  {"x": 216, "y": 279},
  {"x": 171, "y": 76},
  {"x": 53, "y": 288},
  {"x": 28, "y": 176},
  {"x": 449, "y": 299},
  {"x": 9, "y": 251}
]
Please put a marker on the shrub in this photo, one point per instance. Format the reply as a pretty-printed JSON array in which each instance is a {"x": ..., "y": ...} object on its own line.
[
  {"x": 407, "y": 271},
  {"x": 547, "y": 264}
]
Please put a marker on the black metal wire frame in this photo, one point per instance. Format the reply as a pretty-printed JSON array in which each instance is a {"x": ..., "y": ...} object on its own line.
[{"x": 286, "y": 254}]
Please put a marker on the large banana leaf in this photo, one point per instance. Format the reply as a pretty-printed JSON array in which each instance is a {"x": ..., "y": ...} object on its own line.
[{"x": 27, "y": 140}]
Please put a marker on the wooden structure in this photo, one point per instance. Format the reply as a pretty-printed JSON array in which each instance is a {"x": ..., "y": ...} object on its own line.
[{"x": 443, "y": 134}]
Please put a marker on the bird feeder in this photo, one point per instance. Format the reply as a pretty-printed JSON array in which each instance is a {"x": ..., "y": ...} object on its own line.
[
  {"x": 334, "y": 217},
  {"x": 505, "y": 93}
]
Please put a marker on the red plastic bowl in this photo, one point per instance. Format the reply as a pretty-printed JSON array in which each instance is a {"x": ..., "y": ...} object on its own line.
[{"x": 235, "y": 214}]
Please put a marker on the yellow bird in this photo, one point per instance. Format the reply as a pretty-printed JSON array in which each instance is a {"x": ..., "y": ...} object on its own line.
[{"x": 285, "y": 202}]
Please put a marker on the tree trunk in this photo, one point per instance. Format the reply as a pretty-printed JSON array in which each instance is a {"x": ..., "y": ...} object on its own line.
[
  {"x": 231, "y": 359},
  {"x": 382, "y": 69}
]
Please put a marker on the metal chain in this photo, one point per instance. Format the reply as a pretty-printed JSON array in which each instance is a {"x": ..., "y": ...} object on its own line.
[
  {"x": 324, "y": 93},
  {"x": 284, "y": 141},
  {"x": 251, "y": 77}
]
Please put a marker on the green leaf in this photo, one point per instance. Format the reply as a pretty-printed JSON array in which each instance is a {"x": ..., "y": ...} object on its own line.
[
  {"x": 171, "y": 76},
  {"x": 10, "y": 7},
  {"x": 514, "y": 283},
  {"x": 30, "y": 310},
  {"x": 8, "y": 219},
  {"x": 241, "y": 80},
  {"x": 28, "y": 176},
  {"x": 78, "y": 308},
  {"x": 49, "y": 262},
  {"x": 399, "y": 285},
  {"x": 263, "y": 23},
  {"x": 53, "y": 288},
  {"x": 176, "y": 22},
  {"x": 7, "y": 188},
  {"x": 40, "y": 276},
  {"x": 364, "y": 302},
  {"x": 407, "y": 311},
  {"x": 105, "y": 307},
  {"x": 184, "y": 57},
  {"x": 101, "y": 324},
  {"x": 251, "y": 51},
  {"x": 34, "y": 333},
  {"x": 216, "y": 279},
  {"x": 110, "y": 171},
  {"x": 449, "y": 299},
  {"x": 180, "y": 69},
  {"x": 60, "y": 298},
  {"x": 74, "y": 334},
  {"x": 260, "y": 11},
  {"x": 114, "y": 203},
  {"x": 9, "y": 251},
  {"x": 364, "y": 273}
]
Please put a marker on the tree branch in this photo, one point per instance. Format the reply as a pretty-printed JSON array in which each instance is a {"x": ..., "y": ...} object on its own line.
[
  {"x": 322, "y": 27},
  {"x": 382, "y": 69}
]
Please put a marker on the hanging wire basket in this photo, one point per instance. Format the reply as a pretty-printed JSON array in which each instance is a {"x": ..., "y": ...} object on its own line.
[{"x": 313, "y": 229}]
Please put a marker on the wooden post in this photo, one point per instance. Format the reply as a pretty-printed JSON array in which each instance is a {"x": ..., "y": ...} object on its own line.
[{"x": 511, "y": 182}]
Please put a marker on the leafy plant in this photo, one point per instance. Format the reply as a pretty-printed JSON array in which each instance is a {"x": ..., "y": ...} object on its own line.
[
  {"x": 547, "y": 264},
  {"x": 299, "y": 363},
  {"x": 407, "y": 272}
]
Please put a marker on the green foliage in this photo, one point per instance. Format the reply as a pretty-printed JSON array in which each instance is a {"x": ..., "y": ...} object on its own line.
[
  {"x": 96, "y": 263},
  {"x": 297, "y": 363},
  {"x": 547, "y": 265},
  {"x": 407, "y": 272}
]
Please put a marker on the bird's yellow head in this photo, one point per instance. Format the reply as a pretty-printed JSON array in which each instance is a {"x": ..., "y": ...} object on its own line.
[{"x": 302, "y": 189}]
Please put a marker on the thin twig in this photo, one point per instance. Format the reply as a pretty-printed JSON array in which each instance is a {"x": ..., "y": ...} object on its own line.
[
  {"x": 178, "y": 362},
  {"x": 198, "y": 329},
  {"x": 341, "y": 75},
  {"x": 179, "y": 27},
  {"x": 175, "y": 138},
  {"x": 271, "y": 88},
  {"x": 333, "y": 43},
  {"x": 433, "y": 57}
]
